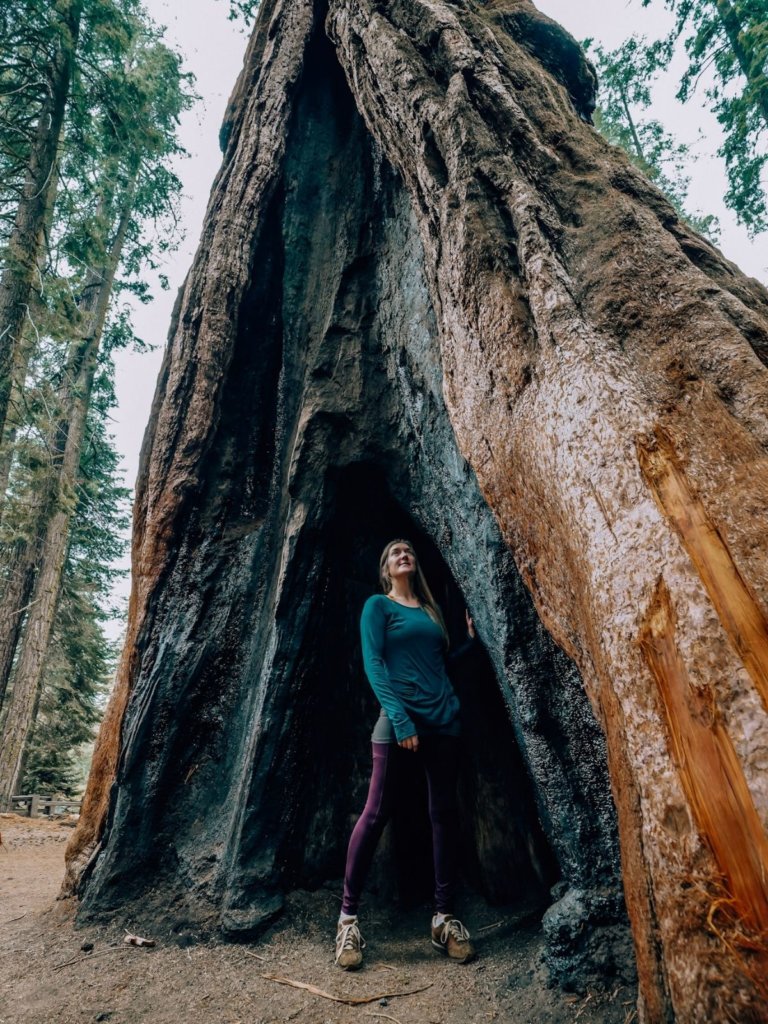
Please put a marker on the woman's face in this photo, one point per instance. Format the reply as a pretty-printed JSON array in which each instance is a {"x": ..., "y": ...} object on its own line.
[{"x": 401, "y": 561}]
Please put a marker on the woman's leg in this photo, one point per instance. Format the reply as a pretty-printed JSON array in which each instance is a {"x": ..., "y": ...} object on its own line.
[
  {"x": 367, "y": 832},
  {"x": 441, "y": 762}
]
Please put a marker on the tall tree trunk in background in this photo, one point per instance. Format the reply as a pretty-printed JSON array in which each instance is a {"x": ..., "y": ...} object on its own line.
[
  {"x": 601, "y": 370},
  {"x": 23, "y": 352},
  {"x": 21, "y": 558},
  {"x": 33, "y": 214},
  {"x": 632, "y": 130},
  {"x": 49, "y": 556},
  {"x": 17, "y": 591},
  {"x": 21, "y": 359},
  {"x": 19, "y": 561}
]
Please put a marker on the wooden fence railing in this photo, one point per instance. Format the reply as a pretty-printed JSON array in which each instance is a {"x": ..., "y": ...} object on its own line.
[{"x": 34, "y": 805}]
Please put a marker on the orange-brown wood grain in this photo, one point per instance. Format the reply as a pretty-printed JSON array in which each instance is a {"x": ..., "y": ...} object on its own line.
[
  {"x": 743, "y": 620},
  {"x": 710, "y": 772}
]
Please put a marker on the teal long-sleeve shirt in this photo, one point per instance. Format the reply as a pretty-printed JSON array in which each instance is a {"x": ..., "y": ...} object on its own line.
[{"x": 404, "y": 658}]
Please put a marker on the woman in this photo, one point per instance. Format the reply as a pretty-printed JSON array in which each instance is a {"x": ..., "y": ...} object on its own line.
[{"x": 404, "y": 643}]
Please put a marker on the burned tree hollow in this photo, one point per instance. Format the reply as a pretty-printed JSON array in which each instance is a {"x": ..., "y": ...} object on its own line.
[
  {"x": 506, "y": 856},
  {"x": 245, "y": 748},
  {"x": 429, "y": 301},
  {"x": 531, "y": 824}
]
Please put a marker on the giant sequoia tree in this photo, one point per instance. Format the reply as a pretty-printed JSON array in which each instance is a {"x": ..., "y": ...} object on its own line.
[{"x": 429, "y": 297}]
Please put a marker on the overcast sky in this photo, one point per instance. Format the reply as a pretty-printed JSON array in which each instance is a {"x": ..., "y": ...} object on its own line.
[{"x": 214, "y": 47}]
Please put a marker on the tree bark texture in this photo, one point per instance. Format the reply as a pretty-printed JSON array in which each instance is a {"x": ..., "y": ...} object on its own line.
[
  {"x": 45, "y": 560},
  {"x": 35, "y": 208},
  {"x": 428, "y": 295}
]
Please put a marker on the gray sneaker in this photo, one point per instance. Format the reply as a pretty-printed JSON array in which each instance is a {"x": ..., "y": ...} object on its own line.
[{"x": 349, "y": 944}]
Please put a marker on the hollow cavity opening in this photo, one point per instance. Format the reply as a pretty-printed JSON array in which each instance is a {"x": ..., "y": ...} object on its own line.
[{"x": 505, "y": 855}]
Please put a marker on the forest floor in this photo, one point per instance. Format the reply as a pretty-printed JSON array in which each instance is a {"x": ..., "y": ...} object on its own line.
[{"x": 46, "y": 976}]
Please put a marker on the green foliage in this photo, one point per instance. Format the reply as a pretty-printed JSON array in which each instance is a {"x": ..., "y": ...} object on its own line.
[
  {"x": 626, "y": 76},
  {"x": 124, "y": 122},
  {"x": 726, "y": 43},
  {"x": 81, "y": 662},
  {"x": 243, "y": 9},
  {"x": 127, "y": 95}
]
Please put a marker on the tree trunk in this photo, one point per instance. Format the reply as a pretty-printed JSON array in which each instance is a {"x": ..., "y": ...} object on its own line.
[
  {"x": 22, "y": 355},
  {"x": 21, "y": 558},
  {"x": 47, "y": 559},
  {"x": 429, "y": 297},
  {"x": 632, "y": 130},
  {"x": 32, "y": 219},
  {"x": 21, "y": 360},
  {"x": 17, "y": 591}
]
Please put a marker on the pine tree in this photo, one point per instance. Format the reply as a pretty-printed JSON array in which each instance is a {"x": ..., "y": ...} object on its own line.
[
  {"x": 53, "y": 31},
  {"x": 726, "y": 42},
  {"x": 626, "y": 76},
  {"x": 130, "y": 133},
  {"x": 80, "y": 661}
]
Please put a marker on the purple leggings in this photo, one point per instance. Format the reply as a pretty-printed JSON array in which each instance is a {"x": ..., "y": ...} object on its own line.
[{"x": 439, "y": 756}]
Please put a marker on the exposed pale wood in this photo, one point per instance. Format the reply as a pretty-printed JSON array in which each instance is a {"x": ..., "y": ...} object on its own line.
[
  {"x": 742, "y": 618},
  {"x": 713, "y": 779}
]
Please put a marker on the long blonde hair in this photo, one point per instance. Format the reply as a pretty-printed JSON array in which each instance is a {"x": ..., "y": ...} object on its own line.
[{"x": 419, "y": 583}]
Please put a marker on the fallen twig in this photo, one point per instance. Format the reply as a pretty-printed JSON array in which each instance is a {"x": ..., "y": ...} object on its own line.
[
  {"x": 490, "y": 927},
  {"x": 256, "y": 956},
  {"x": 386, "y": 1016},
  {"x": 348, "y": 1000},
  {"x": 583, "y": 1005},
  {"x": 13, "y": 919}
]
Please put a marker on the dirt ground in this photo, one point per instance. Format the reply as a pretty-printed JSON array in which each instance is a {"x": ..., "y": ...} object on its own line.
[{"x": 46, "y": 974}]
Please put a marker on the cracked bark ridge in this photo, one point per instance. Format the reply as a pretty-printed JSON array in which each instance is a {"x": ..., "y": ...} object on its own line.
[{"x": 430, "y": 299}]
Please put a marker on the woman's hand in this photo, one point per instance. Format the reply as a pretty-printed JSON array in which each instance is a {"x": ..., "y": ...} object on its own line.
[
  {"x": 470, "y": 624},
  {"x": 410, "y": 743}
]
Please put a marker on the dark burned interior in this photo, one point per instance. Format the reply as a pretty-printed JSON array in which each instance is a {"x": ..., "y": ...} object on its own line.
[
  {"x": 506, "y": 855},
  {"x": 245, "y": 745}
]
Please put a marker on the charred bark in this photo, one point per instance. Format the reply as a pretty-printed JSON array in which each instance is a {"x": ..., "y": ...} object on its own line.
[{"x": 430, "y": 299}]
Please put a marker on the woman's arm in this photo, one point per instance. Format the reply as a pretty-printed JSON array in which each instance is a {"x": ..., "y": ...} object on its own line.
[
  {"x": 469, "y": 644},
  {"x": 372, "y": 625}
]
